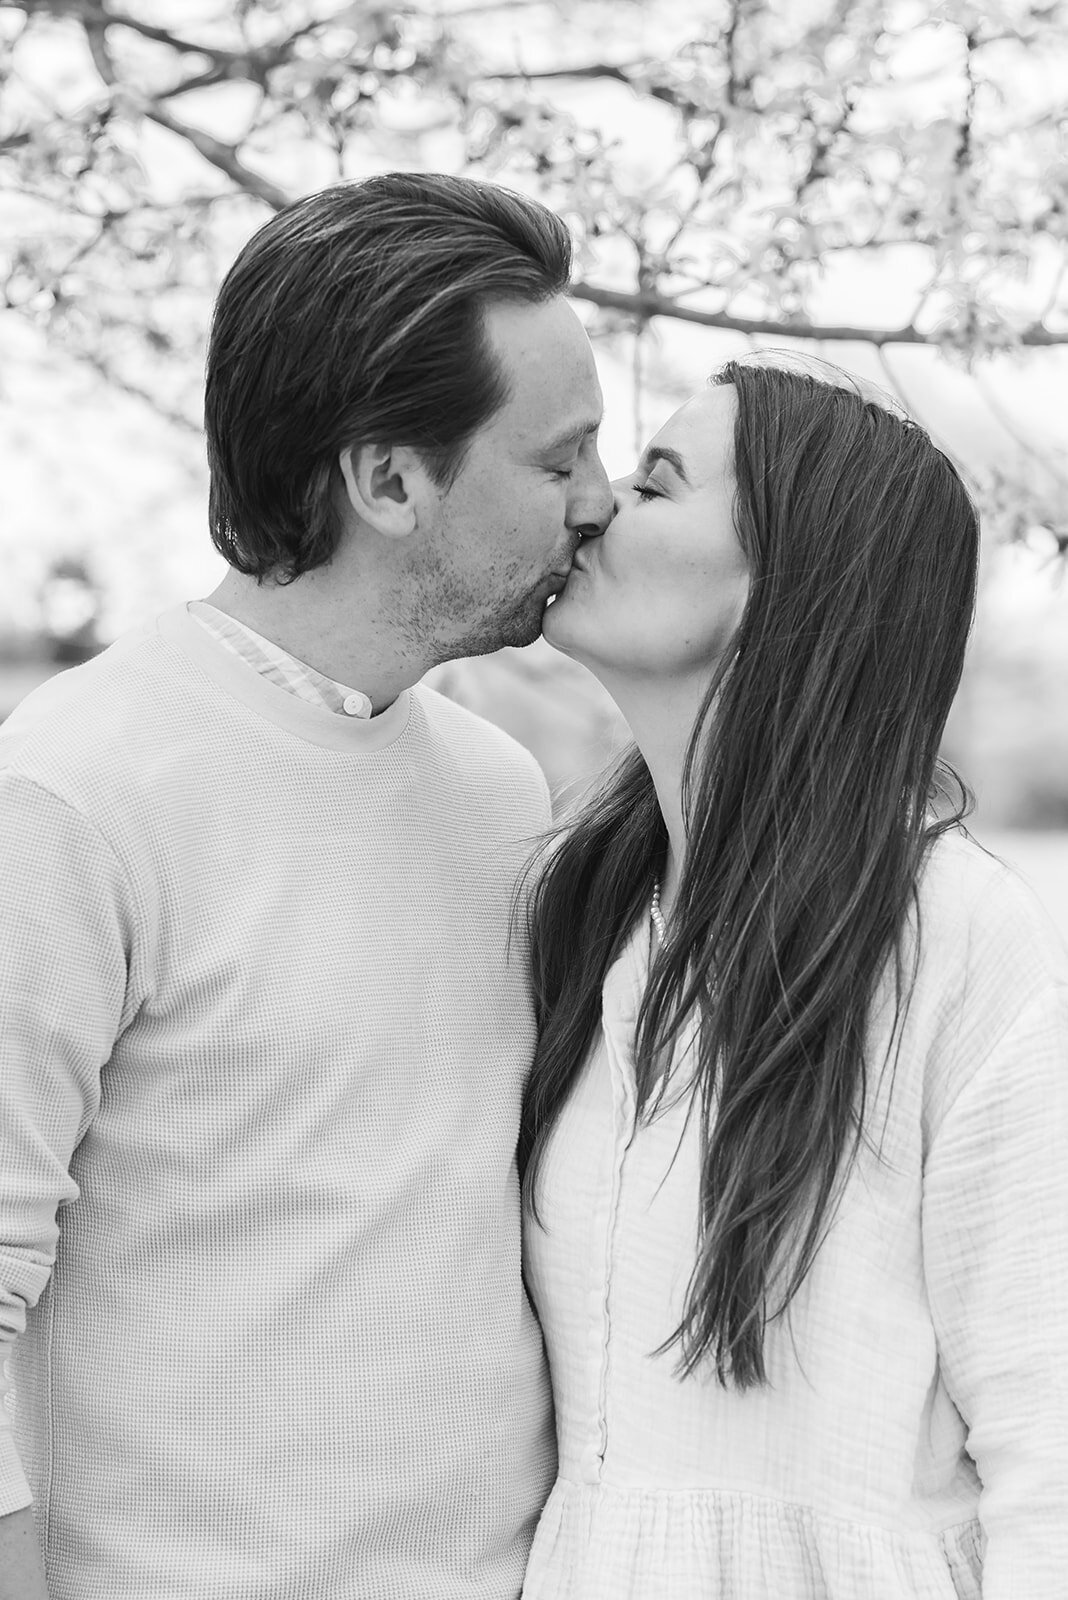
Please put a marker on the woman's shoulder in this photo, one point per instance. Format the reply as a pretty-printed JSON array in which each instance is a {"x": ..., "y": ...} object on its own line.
[
  {"x": 989, "y": 959},
  {"x": 975, "y": 908}
]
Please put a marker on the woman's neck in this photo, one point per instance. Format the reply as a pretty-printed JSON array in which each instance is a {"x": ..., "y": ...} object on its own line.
[{"x": 661, "y": 715}]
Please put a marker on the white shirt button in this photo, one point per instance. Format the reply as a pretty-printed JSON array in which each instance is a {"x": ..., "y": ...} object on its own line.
[{"x": 357, "y": 705}]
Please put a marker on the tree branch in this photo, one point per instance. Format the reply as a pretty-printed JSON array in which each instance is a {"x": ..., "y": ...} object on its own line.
[
  {"x": 120, "y": 19},
  {"x": 114, "y": 379},
  {"x": 223, "y": 156},
  {"x": 199, "y": 80},
  {"x": 134, "y": 390},
  {"x": 488, "y": 8},
  {"x": 602, "y": 71},
  {"x": 95, "y": 21},
  {"x": 616, "y": 72},
  {"x": 93, "y": 13},
  {"x": 1045, "y": 458},
  {"x": 652, "y": 305}
]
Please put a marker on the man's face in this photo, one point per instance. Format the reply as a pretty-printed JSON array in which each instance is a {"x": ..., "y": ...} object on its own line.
[
  {"x": 661, "y": 596},
  {"x": 505, "y": 532}
]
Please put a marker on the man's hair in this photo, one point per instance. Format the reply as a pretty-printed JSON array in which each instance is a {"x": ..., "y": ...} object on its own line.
[{"x": 356, "y": 316}]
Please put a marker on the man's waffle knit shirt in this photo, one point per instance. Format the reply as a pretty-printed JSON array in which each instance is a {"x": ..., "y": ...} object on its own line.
[{"x": 264, "y": 1039}]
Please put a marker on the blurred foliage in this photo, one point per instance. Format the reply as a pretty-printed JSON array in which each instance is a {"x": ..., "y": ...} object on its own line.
[
  {"x": 771, "y": 142},
  {"x": 70, "y": 600},
  {"x": 731, "y": 164},
  {"x": 788, "y": 133}
]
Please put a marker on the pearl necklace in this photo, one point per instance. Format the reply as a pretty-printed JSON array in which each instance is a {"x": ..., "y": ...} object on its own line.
[{"x": 657, "y": 914}]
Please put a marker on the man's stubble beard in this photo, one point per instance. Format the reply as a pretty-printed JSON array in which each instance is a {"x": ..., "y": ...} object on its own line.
[
  {"x": 513, "y": 629},
  {"x": 515, "y": 624}
]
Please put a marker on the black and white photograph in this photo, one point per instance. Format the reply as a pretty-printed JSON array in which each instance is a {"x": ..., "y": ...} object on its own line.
[{"x": 533, "y": 800}]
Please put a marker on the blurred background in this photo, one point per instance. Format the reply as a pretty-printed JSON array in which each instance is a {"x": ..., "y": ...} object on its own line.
[{"x": 883, "y": 183}]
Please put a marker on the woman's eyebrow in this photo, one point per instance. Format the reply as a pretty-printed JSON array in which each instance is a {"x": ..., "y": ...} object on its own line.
[{"x": 662, "y": 452}]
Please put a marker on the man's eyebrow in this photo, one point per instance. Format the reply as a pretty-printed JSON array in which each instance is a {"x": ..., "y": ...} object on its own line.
[
  {"x": 574, "y": 436},
  {"x": 662, "y": 452}
]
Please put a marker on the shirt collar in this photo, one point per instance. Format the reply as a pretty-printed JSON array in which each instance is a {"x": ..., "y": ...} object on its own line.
[{"x": 279, "y": 666}]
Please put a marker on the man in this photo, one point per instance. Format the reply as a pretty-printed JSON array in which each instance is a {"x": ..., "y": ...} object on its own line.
[{"x": 264, "y": 1036}]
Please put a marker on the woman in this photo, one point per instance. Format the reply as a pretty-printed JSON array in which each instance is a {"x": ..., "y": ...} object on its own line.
[{"x": 796, "y": 1141}]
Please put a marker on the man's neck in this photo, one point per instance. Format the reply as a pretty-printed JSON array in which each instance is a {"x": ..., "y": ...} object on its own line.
[{"x": 358, "y": 647}]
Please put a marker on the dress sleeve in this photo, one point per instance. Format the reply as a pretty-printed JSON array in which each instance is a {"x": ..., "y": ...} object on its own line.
[
  {"x": 995, "y": 1234},
  {"x": 63, "y": 982}
]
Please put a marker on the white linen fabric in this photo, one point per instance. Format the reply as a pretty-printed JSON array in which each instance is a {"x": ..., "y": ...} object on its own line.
[
  {"x": 263, "y": 1049},
  {"x": 912, "y": 1443}
]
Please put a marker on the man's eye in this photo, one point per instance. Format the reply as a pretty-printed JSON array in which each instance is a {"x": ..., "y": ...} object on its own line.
[{"x": 562, "y": 472}]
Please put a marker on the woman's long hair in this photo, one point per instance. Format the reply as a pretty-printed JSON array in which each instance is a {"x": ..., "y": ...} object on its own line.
[{"x": 807, "y": 799}]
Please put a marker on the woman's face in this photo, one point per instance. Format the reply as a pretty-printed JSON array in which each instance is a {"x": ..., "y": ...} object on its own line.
[{"x": 662, "y": 591}]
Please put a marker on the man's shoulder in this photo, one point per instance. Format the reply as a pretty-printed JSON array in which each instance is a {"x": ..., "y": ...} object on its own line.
[
  {"x": 69, "y": 689},
  {"x": 473, "y": 735},
  {"x": 89, "y": 716},
  {"x": 498, "y": 775}
]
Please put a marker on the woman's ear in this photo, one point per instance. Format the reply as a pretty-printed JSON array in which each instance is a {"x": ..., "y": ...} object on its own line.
[{"x": 383, "y": 484}]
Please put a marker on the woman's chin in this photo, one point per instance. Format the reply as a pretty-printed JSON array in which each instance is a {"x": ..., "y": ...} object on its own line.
[
  {"x": 554, "y": 631},
  {"x": 560, "y": 628}
]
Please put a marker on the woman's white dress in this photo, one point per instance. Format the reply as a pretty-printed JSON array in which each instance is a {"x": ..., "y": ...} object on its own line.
[{"x": 912, "y": 1443}]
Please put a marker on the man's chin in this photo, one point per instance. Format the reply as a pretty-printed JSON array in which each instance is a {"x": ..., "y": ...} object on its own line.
[{"x": 513, "y": 630}]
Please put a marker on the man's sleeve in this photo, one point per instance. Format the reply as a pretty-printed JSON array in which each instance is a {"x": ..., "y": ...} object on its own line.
[{"x": 64, "y": 951}]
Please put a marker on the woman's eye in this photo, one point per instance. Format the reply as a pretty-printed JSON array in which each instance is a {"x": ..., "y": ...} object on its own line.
[{"x": 644, "y": 492}]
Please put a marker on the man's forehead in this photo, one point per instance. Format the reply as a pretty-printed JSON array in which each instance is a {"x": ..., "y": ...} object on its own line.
[
  {"x": 553, "y": 398},
  {"x": 553, "y": 419},
  {"x": 570, "y": 435}
]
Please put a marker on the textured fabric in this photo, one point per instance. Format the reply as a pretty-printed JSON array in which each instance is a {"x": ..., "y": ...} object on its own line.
[
  {"x": 264, "y": 1044},
  {"x": 278, "y": 665},
  {"x": 913, "y": 1441}
]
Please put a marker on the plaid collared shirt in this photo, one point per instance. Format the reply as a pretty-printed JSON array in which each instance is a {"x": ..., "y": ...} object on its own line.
[{"x": 278, "y": 665}]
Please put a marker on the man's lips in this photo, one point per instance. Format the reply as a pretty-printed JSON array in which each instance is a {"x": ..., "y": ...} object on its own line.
[{"x": 561, "y": 578}]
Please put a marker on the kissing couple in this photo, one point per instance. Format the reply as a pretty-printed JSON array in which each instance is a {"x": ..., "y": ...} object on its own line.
[{"x": 402, "y": 1198}]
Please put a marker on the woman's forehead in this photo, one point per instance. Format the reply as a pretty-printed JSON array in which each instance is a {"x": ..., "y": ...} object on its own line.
[{"x": 702, "y": 432}]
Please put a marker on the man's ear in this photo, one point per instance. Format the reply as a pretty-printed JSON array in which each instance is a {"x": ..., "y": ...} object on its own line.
[{"x": 383, "y": 484}]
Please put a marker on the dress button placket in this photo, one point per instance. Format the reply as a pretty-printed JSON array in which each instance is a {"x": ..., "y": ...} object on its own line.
[{"x": 619, "y": 1017}]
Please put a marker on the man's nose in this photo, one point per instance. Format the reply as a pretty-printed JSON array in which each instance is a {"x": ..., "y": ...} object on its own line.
[
  {"x": 592, "y": 508},
  {"x": 618, "y": 488}
]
